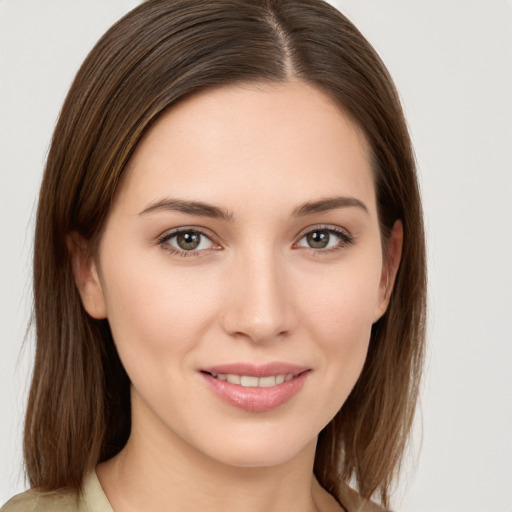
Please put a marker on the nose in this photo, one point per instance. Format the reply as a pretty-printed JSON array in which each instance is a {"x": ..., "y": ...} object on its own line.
[{"x": 259, "y": 303}]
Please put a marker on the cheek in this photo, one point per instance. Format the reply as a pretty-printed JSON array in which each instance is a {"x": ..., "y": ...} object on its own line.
[
  {"x": 341, "y": 304},
  {"x": 342, "y": 331},
  {"x": 155, "y": 312},
  {"x": 338, "y": 314}
]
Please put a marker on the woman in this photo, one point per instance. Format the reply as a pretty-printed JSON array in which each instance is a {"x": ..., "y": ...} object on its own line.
[{"x": 229, "y": 272}]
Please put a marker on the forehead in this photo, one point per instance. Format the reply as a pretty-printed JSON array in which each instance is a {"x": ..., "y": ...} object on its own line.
[{"x": 264, "y": 140}]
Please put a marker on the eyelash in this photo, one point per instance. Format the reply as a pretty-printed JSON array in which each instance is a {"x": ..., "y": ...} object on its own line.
[
  {"x": 166, "y": 237},
  {"x": 345, "y": 240}
]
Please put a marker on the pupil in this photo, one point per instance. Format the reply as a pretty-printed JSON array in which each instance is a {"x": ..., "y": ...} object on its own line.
[
  {"x": 318, "y": 239},
  {"x": 188, "y": 241}
]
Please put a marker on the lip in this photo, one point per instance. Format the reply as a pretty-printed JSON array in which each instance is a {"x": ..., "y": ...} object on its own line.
[
  {"x": 254, "y": 370},
  {"x": 256, "y": 399}
]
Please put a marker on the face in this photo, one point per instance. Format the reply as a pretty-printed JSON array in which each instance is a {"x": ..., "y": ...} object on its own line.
[{"x": 241, "y": 271}]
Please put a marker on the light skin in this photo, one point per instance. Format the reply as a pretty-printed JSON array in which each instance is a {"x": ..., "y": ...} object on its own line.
[{"x": 278, "y": 258}]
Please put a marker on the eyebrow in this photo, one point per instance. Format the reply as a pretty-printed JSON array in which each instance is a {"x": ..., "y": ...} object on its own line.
[
  {"x": 202, "y": 209},
  {"x": 327, "y": 204},
  {"x": 191, "y": 207}
]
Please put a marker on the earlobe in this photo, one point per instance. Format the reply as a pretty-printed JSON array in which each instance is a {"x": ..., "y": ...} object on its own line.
[
  {"x": 390, "y": 267},
  {"x": 86, "y": 276}
]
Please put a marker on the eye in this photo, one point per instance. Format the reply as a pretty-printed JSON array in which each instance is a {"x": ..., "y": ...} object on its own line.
[
  {"x": 187, "y": 240},
  {"x": 325, "y": 238}
]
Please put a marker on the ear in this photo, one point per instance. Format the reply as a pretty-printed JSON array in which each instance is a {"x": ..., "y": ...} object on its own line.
[
  {"x": 86, "y": 276},
  {"x": 390, "y": 267}
]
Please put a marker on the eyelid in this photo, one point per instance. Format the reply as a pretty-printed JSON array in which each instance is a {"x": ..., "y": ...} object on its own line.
[
  {"x": 345, "y": 236},
  {"x": 170, "y": 233}
]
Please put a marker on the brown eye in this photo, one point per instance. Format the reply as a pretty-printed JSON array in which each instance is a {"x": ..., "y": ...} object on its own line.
[
  {"x": 325, "y": 238},
  {"x": 188, "y": 240},
  {"x": 318, "y": 239}
]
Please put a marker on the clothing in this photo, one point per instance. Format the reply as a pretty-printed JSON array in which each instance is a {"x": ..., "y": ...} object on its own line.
[
  {"x": 93, "y": 499},
  {"x": 352, "y": 502}
]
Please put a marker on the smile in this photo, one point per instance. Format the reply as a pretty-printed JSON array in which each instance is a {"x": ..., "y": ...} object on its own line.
[
  {"x": 256, "y": 388},
  {"x": 250, "y": 381}
]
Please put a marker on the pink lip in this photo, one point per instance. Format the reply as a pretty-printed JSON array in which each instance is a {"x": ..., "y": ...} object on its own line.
[
  {"x": 254, "y": 370},
  {"x": 256, "y": 399}
]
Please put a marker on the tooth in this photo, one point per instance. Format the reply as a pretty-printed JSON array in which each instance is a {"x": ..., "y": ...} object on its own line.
[
  {"x": 249, "y": 381},
  {"x": 253, "y": 382},
  {"x": 267, "y": 382},
  {"x": 234, "y": 379}
]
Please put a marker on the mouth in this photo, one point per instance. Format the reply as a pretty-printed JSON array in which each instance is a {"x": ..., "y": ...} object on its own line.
[
  {"x": 249, "y": 381},
  {"x": 256, "y": 388}
]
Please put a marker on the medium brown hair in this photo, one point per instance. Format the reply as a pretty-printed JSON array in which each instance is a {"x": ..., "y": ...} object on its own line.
[{"x": 163, "y": 51}]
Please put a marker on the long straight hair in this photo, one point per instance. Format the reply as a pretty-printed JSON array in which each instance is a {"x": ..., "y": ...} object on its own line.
[{"x": 78, "y": 411}]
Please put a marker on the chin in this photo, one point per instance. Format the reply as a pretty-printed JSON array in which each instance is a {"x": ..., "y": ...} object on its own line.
[{"x": 258, "y": 451}]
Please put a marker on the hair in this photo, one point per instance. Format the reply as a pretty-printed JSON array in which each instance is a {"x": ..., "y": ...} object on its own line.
[{"x": 78, "y": 410}]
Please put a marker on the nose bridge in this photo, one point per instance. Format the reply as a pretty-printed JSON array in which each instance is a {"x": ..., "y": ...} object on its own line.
[{"x": 259, "y": 306}]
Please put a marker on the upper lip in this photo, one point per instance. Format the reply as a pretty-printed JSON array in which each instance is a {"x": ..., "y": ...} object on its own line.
[{"x": 254, "y": 370}]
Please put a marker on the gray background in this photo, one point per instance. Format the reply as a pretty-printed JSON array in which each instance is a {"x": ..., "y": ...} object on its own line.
[{"x": 452, "y": 62}]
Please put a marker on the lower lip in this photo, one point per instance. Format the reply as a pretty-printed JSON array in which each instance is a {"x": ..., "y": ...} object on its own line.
[{"x": 256, "y": 399}]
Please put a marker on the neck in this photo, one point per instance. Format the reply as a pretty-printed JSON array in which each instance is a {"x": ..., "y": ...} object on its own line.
[{"x": 163, "y": 472}]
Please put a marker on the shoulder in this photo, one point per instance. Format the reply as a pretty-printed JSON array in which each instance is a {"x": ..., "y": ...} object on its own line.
[
  {"x": 344, "y": 499},
  {"x": 352, "y": 501},
  {"x": 33, "y": 501},
  {"x": 91, "y": 499}
]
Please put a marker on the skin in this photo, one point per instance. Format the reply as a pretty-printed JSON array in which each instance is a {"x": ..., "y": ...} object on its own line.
[{"x": 254, "y": 291}]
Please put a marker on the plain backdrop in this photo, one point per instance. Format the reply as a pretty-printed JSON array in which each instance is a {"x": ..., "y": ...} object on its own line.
[{"x": 452, "y": 63}]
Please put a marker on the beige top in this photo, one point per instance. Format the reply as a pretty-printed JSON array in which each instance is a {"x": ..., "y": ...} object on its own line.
[{"x": 93, "y": 499}]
